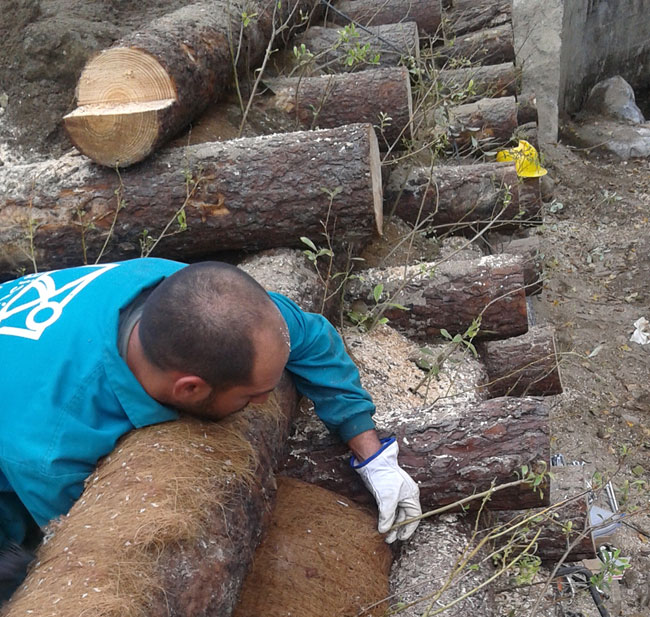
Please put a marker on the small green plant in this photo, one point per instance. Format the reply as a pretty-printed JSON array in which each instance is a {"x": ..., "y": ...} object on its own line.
[{"x": 365, "y": 321}]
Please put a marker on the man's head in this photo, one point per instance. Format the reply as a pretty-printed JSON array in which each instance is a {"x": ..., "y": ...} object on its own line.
[{"x": 215, "y": 338}]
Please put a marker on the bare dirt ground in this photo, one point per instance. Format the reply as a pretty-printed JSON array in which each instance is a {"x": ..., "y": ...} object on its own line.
[{"x": 596, "y": 252}]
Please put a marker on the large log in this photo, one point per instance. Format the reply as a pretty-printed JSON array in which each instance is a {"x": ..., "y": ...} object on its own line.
[
  {"x": 525, "y": 365},
  {"x": 529, "y": 247},
  {"x": 142, "y": 91},
  {"x": 451, "y": 451},
  {"x": 470, "y": 15},
  {"x": 387, "y": 45},
  {"x": 491, "y": 80},
  {"x": 490, "y": 46},
  {"x": 334, "y": 100},
  {"x": 168, "y": 524},
  {"x": 232, "y": 195},
  {"x": 426, "y": 13},
  {"x": 449, "y": 198},
  {"x": 449, "y": 295}
]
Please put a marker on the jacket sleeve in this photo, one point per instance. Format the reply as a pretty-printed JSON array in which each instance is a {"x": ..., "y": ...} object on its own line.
[{"x": 324, "y": 372}]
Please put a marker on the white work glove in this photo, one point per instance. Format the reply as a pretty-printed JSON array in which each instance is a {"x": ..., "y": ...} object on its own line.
[{"x": 396, "y": 494}]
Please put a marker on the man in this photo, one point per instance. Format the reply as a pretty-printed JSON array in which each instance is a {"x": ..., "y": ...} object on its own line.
[{"x": 89, "y": 353}]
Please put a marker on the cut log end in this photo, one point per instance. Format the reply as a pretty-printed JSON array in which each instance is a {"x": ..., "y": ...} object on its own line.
[
  {"x": 375, "y": 174},
  {"x": 120, "y": 97}
]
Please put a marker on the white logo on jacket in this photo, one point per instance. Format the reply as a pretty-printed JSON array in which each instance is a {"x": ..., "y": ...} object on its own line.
[{"x": 36, "y": 302}]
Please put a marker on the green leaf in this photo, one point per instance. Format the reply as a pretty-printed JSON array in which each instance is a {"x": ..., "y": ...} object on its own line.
[
  {"x": 445, "y": 333},
  {"x": 308, "y": 242},
  {"x": 377, "y": 291}
]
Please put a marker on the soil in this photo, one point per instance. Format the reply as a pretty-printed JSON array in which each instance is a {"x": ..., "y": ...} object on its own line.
[{"x": 596, "y": 239}]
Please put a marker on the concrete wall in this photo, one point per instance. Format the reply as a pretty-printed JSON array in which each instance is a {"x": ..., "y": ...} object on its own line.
[{"x": 566, "y": 46}]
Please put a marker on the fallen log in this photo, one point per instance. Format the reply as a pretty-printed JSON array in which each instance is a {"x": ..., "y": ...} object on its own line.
[
  {"x": 491, "y": 80},
  {"x": 184, "y": 497},
  {"x": 229, "y": 195},
  {"x": 470, "y": 15},
  {"x": 564, "y": 526},
  {"x": 529, "y": 248},
  {"x": 302, "y": 567},
  {"x": 449, "y": 198},
  {"x": 425, "y": 13},
  {"x": 385, "y": 45},
  {"x": 489, "y": 46},
  {"x": 136, "y": 95},
  {"x": 449, "y": 295},
  {"x": 451, "y": 452},
  {"x": 334, "y": 100},
  {"x": 525, "y": 365}
]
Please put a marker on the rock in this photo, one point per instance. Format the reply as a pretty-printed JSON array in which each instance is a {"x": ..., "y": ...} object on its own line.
[
  {"x": 614, "y": 98},
  {"x": 623, "y": 140}
]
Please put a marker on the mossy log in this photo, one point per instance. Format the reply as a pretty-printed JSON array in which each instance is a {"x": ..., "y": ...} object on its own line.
[
  {"x": 169, "y": 522},
  {"x": 451, "y": 452},
  {"x": 470, "y": 15},
  {"x": 139, "y": 93},
  {"x": 525, "y": 365},
  {"x": 426, "y": 13},
  {"x": 451, "y": 198},
  {"x": 449, "y": 295},
  {"x": 251, "y": 193},
  {"x": 334, "y": 100},
  {"x": 489, "y": 46},
  {"x": 387, "y": 45},
  {"x": 489, "y": 81}
]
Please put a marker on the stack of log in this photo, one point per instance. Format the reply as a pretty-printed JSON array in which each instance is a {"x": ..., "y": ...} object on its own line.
[{"x": 268, "y": 191}]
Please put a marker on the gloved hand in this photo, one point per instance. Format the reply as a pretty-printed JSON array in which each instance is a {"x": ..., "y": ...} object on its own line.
[{"x": 396, "y": 494}]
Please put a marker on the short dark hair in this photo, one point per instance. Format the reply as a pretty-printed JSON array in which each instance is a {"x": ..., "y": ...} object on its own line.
[{"x": 202, "y": 320}]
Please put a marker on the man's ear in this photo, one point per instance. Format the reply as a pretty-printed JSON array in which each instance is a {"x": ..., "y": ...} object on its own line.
[{"x": 190, "y": 389}]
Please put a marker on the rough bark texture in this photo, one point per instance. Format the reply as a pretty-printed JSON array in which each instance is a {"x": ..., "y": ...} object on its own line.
[
  {"x": 469, "y": 15},
  {"x": 450, "y": 295},
  {"x": 426, "y": 13},
  {"x": 125, "y": 550},
  {"x": 450, "y": 458},
  {"x": 242, "y": 194},
  {"x": 450, "y": 198},
  {"x": 529, "y": 247},
  {"x": 568, "y": 484},
  {"x": 490, "y": 46},
  {"x": 390, "y": 41},
  {"x": 193, "y": 45},
  {"x": 525, "y": 365},
  {"x": 334, "y": 100},
  {"x": 492, "y": 80}
]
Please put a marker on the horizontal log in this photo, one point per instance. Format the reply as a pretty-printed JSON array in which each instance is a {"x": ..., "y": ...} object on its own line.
[
  {"x": 232, "y": 195},
  {"x": 525, "y": 365},
  {"x": 470, "y": 15},
  {"x": 489, "y": 46},
  {"x": 450, "y": 198},
  {"x": 425, "y": 13},
  {"x": 387, "y": 45},
  {"x": 529, "y": 248},
  {"x": 334, "y": 100},
  {"x": 449, "y": 295},
  {"x": 491, "y": 80},
  {"x": 136, "y": 95},
  {"x": 450, "y": 452},
  {"x": 183, "y": 497}
]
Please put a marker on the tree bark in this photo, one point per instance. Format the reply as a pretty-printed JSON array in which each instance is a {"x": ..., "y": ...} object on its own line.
[
  {"x": 565, "y": 523},
  {"x": 426, "y": 13},
  {"x": 451, "y": 455},
  {"x": 529, "y": 248},
  {"x": 490, "y": 46},
  {"x": 390, "y": 42},
  {"x": 142, "y": 91},
  {"x": 449, "y": 295},
  {"x": 232, "y": 195},
  {"x": 525, "y": 365},
  {"x": 492, "y": 80},
  {"x": 470, "y": 15},
  {"x": 334, "y": 100},
  {"x": 449, "y": 198},
  {"x": 169, "y": 523}
]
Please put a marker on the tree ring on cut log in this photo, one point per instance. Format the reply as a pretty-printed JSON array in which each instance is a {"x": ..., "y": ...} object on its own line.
[{"x": 119, "y": 96}]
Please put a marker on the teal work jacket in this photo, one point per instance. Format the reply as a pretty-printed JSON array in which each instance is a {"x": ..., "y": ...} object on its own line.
[{"x": 67, "y": 395}]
